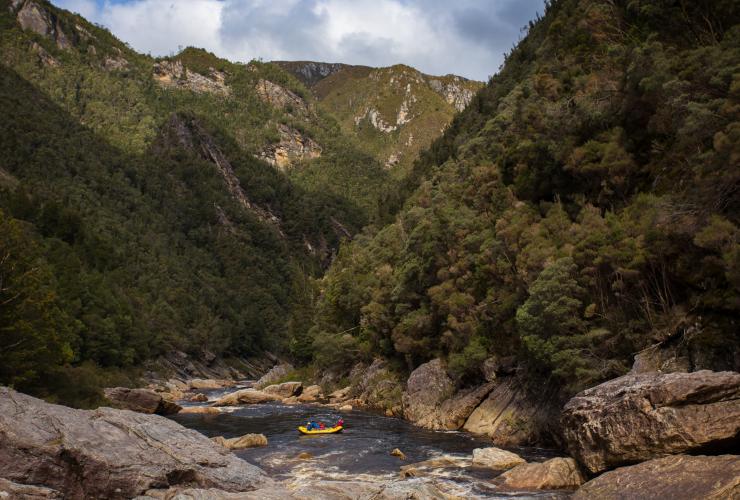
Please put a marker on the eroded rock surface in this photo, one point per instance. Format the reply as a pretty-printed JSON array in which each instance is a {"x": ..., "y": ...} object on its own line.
[
  {"x": 241, "y": 442},
  {"x": 34, "y": 17},
  {"x": 676, "y": 477},
  {"x": 109, "y": 453},
  {"x": 141, "y": 400},
  {"x": 246, "y": 397},
  {"x": 638, "y": 417},
  {"x": 496, "y": 458},
  {"x": 510, "y": 415},
  {"x": 172, "y": 74},
  {"x": 275, "y": 373},
  {"x": 292, "y": 146},
  {"x": 285, "y": 390},
  {"x": 280, "y": 97},
  {"x": 554, "y": 474},
  {"x": 10, "y": 490}
]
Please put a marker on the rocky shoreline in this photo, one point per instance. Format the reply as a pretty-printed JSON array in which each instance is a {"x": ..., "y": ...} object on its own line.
[{"x": 643, "y": 435}]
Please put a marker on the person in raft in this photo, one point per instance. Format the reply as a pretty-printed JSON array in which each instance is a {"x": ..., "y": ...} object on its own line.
[
  {"x": 322, "y": 426},
  {"x": 311, "y": 425},
  {"x": 340, "y": 423}
]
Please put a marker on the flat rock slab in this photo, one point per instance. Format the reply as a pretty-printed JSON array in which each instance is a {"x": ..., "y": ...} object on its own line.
[
  {"x": 108, "y": 453},
  {"x": 141, "y": 400},
  {"x": 246, "y": 397},
  {"x": 554, "y": 474},
  {"x": 496, "y": 458},
  {"x": 677, "y": 477},
  {"x": 643, "y": 416}
]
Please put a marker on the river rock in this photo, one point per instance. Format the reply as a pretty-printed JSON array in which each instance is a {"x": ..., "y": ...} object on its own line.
[
  {"x": 496, "y": 458},
  {"x": 285, "y": 390},
  {"x": 10, "y": 490},
  {"x": 108, "y": 453},
  {"x": 554, "y": 474},
  {"x": 430, "y": 399},
  {"x": 676, "y": 477},
  {"x": 398, "y": 453},
  {"x": 202, "y": 410},
  {"x": 245, "y": 397},
  {"x": 141, "y": 400},
  {"x": 345, "y": 408},
  {"x": 310, "y": 394},
  {"x": 510, "y": 416},
  {"x": 209, "y": 383},
  {"x": 340, "y": 395},
  {"x": 241, "y": 442},
  {"x": 276, "y": 373},
  {"x": 638, "y": 417},
  {"x": 198, "y": 398},
  {"x": 427, "y": 467}
]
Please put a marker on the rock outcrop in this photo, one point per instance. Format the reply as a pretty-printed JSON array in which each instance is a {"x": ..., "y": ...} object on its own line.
[
  {"x": 108, "y": 453},
  {"x": 638, "y": 417},
  {"x": 311, "y": 394},
  {"x": 376, "y": 387},
  {"x": 453, "y": 91},
  {"x": 496, "y": 458},
  {"x": 554, "y": 474},
  {"x": 676, "y": 477},
  {"x": 281, "y": 98},
  {"x": 293, "y": 146},
  {"x": 34, "y": 17},
  {"x": 246, "y": 397},
  {"x": 430, "y": 399},
  {"x": 172, "y": 74},
  {"x": 241, "y": 442},
  {"x": 141, "y": 400},
  {"x": 275, "y": 373},
  {"x": 510, "y": 415},
  {"x": 310, "y": 72}
]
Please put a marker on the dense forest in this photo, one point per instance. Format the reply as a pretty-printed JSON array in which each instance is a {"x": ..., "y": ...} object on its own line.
[
  {"x": 583, "y": 207},
  {"x": 137, "y": 219}
]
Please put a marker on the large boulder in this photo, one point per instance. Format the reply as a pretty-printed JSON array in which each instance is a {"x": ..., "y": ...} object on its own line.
[
  {"x": 241, "y": 442},
  {"x": 108, "y": 453},
  {"x": 375, "y": 386},
  {"x": 311, "y": 394},
  {"x": 496, "y": 458},
  {"x": 554, "y": 474},
  {"x": 430, "y": 399},
  {"x": 677, "y": 477},
  {"x": 245, "y": 397},
  {"x": 141, "y": 400},
  {"x": 511, "y": 416},
  {"x": 285, "y": 390},
  {"x": 209, "y": 383},
  {"x": 276, "y": 373},
  {"x": 638, "y": 417}
]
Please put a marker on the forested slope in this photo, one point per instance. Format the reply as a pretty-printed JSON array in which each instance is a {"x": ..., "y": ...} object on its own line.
[{"x": 583, "y": 207}]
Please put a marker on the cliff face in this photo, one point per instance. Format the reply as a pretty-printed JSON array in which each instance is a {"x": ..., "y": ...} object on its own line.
[{"x": 395, "y": 112}]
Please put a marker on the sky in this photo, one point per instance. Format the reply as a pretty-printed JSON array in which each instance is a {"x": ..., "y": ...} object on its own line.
[{"x": 463, "y": 37}]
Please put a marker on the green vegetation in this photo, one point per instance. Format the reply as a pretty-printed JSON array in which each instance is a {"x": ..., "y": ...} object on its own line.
[{"x": 583, "y": 207}]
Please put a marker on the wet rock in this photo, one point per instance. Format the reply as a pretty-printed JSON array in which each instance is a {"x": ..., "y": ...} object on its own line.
[
  {"x": 293, "y": 400},
  {"x": 245, "y": 397},
  {"x": 10, "y": 490},
  {"x": 276, "y": 372},
  {"x": 285, "y": 390},
  {"x": 676, "y": 477},
  {"x": 241, "y": 442},
  {"x": 141, "y": 400},
  {"x": 198, "y": 398},
  {"x": 398, "y": 453},
  {"x": 496, "y": 458},
  {"x": 638, "y": 417},
  {"x": 305, "y": 456},
  {"x": 430, "y": 399},
  {"x": 510, "y": 416},
  {"x": 108, "y": 453},
  {"x": 345, "y": 408},
  {"x": 200, "y": 410},
  {"x": 554, "y": 474},
  {"x": 427, "y": 467}
]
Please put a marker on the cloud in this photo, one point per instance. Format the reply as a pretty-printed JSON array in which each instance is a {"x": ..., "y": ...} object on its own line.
[{"x": 466, "y": 37}]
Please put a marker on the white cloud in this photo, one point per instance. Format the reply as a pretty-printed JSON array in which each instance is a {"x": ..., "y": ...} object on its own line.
[{"x": 466, "y": 37}]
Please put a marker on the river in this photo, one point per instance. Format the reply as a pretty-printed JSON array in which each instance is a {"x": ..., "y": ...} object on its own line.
[{"x": 361, "y": 452}]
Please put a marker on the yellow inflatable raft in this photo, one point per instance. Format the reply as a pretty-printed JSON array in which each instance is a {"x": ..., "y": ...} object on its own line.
[{"x": 329, "y": 430}]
